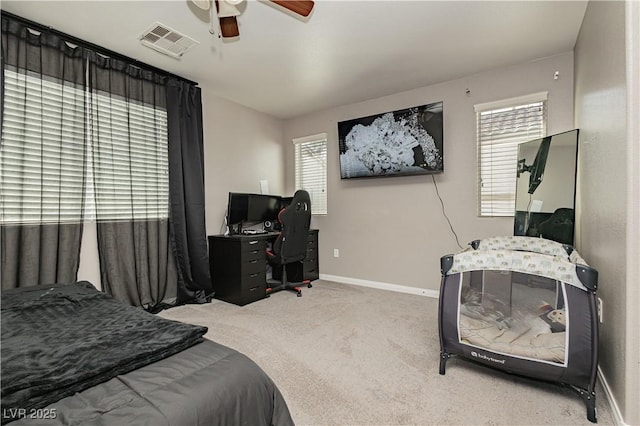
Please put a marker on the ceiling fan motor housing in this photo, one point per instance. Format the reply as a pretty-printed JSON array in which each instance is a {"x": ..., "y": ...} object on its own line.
[{"x": 227, "y": 11}]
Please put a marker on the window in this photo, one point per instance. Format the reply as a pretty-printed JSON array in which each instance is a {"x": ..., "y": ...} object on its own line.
[
  {"x": 43, "y": 151},
  {"x": 311, "y": 169},
  {"x": 502, "y": 126},
  {"x": 56, "y": 167},
  {"x": 130, "y": 160}
]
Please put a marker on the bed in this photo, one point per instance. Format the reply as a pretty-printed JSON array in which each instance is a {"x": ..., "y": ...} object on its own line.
[
  {"x": 524, "y": 305},
  {"x": 74, "y": 355}
]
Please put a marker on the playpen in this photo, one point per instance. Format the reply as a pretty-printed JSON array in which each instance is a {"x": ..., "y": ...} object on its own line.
[{"x": 525, "y": 305}]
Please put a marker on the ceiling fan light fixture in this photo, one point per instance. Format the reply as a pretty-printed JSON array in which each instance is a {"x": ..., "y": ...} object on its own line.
[
  {"x": 202, "y": 4},
  {"x": 226, "y": 9}
]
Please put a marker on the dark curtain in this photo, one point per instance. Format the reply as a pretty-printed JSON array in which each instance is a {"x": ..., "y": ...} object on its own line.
[
  {"x": 39, "y": 254},
  {"x": 39, "y": 239},
  {"x": 186, "y": 183},
  {"x": 149, "y": 257},
  {"x": 137, "y": 265}
]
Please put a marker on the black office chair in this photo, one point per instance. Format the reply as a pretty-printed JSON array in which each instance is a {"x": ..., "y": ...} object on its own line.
[
  {"x": 559, "y": 227},
  {"x": 290, "y": 247}
]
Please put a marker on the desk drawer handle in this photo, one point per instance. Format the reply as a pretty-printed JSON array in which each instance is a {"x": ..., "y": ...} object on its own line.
[
  {"x": 253, "y": 242},
  {"x": 253, "y": 275},
  {"x": 254, "y": 261},
  {"x": 254, "y": 288}
]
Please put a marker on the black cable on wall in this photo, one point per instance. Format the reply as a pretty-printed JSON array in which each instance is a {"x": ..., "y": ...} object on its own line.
[{"x": 444, "y": 213}]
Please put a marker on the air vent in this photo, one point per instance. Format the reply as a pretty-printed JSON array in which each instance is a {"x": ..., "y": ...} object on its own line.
[{"x": 166, "y": 40}]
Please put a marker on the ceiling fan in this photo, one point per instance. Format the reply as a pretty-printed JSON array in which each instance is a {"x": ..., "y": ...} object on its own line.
[{"x": 227, "y": 12}]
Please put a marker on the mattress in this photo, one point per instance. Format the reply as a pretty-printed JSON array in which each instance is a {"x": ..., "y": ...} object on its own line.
[{"x": 533, "y": 340}]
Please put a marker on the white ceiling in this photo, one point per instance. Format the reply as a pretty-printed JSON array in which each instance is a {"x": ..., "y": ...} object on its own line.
[{"x": 344, "y": 52}]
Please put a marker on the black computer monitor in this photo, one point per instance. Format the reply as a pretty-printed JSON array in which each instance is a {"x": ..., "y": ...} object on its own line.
[
  {"x": 251, "y": 209},
  {"x": 237, "y": 208},
  {"x": 285, "y": 201},
  {"x": 263, "y": 207}
]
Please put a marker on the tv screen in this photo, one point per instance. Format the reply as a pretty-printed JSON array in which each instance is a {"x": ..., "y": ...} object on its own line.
[{"x": 397, "y": 143}]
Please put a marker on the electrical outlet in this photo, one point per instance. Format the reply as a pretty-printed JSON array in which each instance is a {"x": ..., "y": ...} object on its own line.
[
  {"x": 336, "y": 253},
  {"x": 600, "y": 309}
]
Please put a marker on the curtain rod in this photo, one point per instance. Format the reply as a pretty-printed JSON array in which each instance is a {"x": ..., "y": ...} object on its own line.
[{"x": 95, "y": 47}]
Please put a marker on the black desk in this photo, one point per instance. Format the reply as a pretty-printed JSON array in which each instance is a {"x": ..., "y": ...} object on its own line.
[{"x": 238, "y": 266}]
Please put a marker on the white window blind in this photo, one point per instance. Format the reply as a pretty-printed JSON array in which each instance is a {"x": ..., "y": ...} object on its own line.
[
  {"x": 130, "y": 160},
  {"x": 501, "y": 127},
  {"x": 43, "y": 151},
  {"x": 311, "y": 169},
  {"x": 56, "y": 167}
]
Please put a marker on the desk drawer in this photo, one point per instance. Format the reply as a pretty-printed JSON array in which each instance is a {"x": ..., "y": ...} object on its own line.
[
  {"x": 251, "y": 278},
  {"x": 252, "y": 252},
  {"x": 310, "y": 269},
  {"x": 251, "y": 255},
  {"x": 311, "y": 252},
  {"x": 253, "y": 293},
  {"x": 252, "y": 266},
  {"x": 251, "y": 244}
]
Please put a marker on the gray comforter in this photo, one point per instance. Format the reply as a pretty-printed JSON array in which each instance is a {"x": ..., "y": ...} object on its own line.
[
  {"x": 205, "y": 385},
  {"x": 74, "y": 355}
]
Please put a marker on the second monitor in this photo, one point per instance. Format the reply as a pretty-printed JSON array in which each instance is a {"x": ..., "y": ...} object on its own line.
[{"x": 251, "y": 209}]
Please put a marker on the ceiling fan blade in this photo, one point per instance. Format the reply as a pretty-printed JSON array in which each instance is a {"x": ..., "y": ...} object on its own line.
[
  {"x": 229, "y": 26},
  {"x": 301, "y": 7}
]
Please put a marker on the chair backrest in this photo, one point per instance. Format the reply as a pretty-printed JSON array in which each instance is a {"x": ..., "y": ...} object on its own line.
[
  {"x": 559, "y": 227},
  {"x": 295, "y": 219}
]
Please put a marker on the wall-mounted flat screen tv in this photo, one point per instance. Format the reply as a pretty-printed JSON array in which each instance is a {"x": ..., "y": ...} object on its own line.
[{"x": 397, "y": 143}]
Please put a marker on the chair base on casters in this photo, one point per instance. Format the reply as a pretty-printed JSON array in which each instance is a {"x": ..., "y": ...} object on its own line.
[{"x": 288, "y": 286}]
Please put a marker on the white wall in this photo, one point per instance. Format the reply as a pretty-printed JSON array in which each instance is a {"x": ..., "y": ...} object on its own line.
[{"x": 391, "y": 230}]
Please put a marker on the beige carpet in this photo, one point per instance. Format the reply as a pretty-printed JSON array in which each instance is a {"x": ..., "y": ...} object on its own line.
[{"x": 344, "y": 354}]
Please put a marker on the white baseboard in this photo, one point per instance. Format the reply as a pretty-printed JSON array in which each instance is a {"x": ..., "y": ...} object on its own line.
[
  {"x": 615, "y": 410},
  {"x": 381, "y": 286}
]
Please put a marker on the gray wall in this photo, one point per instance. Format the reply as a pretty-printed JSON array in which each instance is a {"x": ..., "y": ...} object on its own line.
[
  {"x": 241, "y": 147},
  {"x": 391, "y": 230},
  {"x": 605, "y": 232}
]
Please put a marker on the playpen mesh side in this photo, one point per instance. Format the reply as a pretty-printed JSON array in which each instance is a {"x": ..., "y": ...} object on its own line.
[
  {"x": 514, "y": 314},
  {"x": 573, "y": 362}
]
